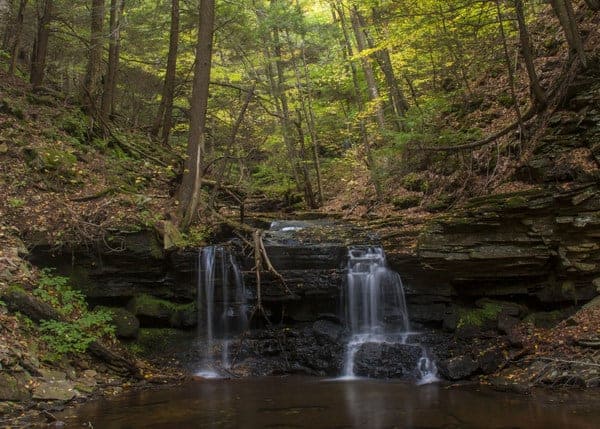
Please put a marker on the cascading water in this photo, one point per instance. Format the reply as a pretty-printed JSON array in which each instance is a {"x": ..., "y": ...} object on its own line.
[
  {"x": 220, "y": 315},
  {"x": 375, "y": 307}
]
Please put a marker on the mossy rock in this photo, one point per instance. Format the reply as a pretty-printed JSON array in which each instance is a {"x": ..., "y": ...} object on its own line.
[
  {"x": 152, "y": 342},
  {"x": 12, "y": 388},
  {"x": 126, "y": 324},
  {"x": 406, "y": 202},
  {"x": 161, "y": 312},
  {"x": 483, "y": 317}
]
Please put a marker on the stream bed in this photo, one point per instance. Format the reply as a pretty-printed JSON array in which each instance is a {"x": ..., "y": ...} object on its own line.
[{"x": 307, "y": 402}]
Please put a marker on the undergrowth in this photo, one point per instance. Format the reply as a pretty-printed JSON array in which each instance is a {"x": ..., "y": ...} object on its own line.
[{"x": 80, "y": 326}]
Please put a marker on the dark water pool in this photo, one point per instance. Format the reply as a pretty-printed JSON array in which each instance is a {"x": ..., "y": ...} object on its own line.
[{"x": 300, "y": 402}]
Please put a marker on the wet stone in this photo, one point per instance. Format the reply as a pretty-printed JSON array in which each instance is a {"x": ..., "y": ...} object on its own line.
[{"x": 384, "y": 360}]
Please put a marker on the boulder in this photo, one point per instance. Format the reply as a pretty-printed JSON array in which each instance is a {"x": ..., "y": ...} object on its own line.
[
  {"x": 125, "y": 322},
  {"x": 59, "y": 390},
  {"x": 12, "y": 388},
  {"x": 458, "y": 368},
  {"x": 160, "y": 312},
  {"x": 385, "y": 360}
]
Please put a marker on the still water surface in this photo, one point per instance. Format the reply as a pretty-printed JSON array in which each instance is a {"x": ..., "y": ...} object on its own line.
[{"x": 302, "y": 402}]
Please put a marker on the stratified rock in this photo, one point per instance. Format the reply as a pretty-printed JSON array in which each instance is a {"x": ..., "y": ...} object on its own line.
[{"x": 385, "y": 360}]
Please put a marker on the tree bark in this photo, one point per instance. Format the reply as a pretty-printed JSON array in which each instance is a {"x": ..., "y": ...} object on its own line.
[
  {"x": 566, "y": 16},
  {"x": 38, "y": 60},
  {"x": 165, "y": 110},
  {"x": 110, "y": 81},
  {"x": 18, "y": 30},
  {"x": 189, "y": 191},
  {"x": 539, "y": 95},
  {"x": 93, "y": 76}
]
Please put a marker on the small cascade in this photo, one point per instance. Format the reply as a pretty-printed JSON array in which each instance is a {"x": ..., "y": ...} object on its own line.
[
  {"x": 222, "y": 306},
  {"x": 375, "y": 307}
]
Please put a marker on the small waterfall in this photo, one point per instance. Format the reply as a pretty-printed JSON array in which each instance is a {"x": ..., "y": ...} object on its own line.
[
  {"x": 220, "y": 315},
  {"x": 375, "y": 307}
]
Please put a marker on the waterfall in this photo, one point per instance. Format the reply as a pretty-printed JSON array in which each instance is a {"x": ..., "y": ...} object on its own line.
[
  {"x": 375, "y": 307},
  {"x": 220, "y": 315}
]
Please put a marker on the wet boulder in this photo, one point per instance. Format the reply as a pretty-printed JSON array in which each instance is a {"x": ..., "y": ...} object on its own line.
[
  {"x": 385, "y": 360},
  {"x": 458, "y": 368}
]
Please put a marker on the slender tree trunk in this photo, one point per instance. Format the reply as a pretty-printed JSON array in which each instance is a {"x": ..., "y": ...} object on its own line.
[
  {"x": 93, "y": 76},
  {"x": 566, "y": 16},
  {"x": 165, "y": 110},
  {"x": 38, "y": 61},
  {"x": 539, "y": 95},
  {"x": 511, "y": 75},
  {"x": 18, "y": 30},
  {"x": 307, "y": 113},
  {"x": 309, "y": 195},
  {"x": 189, "y": 191},
  {"x": 370, "y": 162},
  {"x": 110, "y": 81},
  {"x": 382, "y": 56},
  {"x": 361, "y": 43}
]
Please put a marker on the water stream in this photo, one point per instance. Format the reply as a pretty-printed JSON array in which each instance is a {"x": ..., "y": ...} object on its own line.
[
  {"x": 375, "y": 308},
  {"x": 220, "y": 318}
]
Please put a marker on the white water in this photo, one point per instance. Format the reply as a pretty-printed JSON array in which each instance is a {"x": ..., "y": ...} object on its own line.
[
  {"x": 375, "y": 308},
  {"x": 219, "y": 317}
]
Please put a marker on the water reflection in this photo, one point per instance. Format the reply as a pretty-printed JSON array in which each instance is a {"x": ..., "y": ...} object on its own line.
[{"x": 297, "y": 402}]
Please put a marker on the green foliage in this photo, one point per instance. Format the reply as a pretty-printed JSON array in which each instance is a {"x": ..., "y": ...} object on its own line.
[
  {"x": 75, "y": 336},
  {"x": 80, "y": 326},
  {"x": 477, "y": 317},
  {"x": 16, "y": 203},
  {"x": 74, "y": 123}
]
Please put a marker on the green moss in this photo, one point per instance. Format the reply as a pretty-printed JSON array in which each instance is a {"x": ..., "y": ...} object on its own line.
[
  {"x": 479, "y": 316},
  {"x": 406, "y": 202},
  {"x": 74, "y": 123},
  {"x": 414, "y": 182},
  {"x": 177, "y": 315}
]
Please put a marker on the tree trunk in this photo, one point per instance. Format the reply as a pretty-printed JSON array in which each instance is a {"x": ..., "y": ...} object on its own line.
[
  {"x": 38, "y": 60},
  {"x": 93, "y": 76},
  {"x": 189, "y": 191},
  {"x": 165, "y": 110},
  {"x": 361, "y": 43},
  {"x": 397, "y": 100},
  {"x": 18, "y": 30},
  {"x": 348, "y": 53},
  {"x": 110, "y": 81},
  {"x": 566, "y": 16},
  {"x": 539, "y": 95}
]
